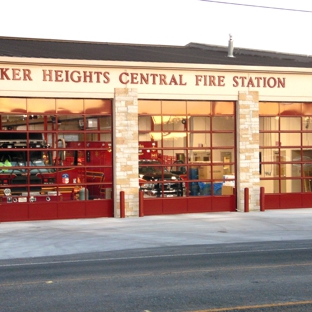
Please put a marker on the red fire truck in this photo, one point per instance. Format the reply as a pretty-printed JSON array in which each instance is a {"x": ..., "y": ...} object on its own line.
[{"x": 31, "y": 171}]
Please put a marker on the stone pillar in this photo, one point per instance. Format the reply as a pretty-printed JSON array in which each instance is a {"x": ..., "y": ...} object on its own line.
[
  {"x": 125, "y": 147},
  {"x": 248, "y": 176}
]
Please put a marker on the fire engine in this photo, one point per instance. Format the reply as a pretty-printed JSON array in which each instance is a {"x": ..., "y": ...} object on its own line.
[{"x": 32, "y": 171}]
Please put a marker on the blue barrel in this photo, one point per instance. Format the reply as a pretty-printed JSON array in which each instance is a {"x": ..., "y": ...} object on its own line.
[
  {"x": 217, "y": 188},
  {"x": 193, "y": 173},
  {"x": 205, "y": 188},
  {"x": 194, "y": 188}
]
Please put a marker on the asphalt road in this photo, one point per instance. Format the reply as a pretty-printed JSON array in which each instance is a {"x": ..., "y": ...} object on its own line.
[{"x": 267, "y": 276}]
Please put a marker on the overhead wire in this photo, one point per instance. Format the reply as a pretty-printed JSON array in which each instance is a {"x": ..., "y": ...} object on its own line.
[{"x": 258, "y": 6}]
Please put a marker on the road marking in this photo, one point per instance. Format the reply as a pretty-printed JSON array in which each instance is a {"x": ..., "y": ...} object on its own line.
[{"x": 260, "y": 306}]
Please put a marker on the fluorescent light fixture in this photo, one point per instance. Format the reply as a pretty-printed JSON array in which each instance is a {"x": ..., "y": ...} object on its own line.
[
  {"x": 168, "y": 119},
  {"x": 167, "y": 135},
  {"x": 157, "y": 119}
]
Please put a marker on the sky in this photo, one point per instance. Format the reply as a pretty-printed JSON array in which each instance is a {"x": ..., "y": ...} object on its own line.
[{"x": 164, "y": 22}]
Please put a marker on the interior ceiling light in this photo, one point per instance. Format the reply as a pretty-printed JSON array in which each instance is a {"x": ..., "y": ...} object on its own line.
[
  {"x": 168, "y": 119},
  {"x": 157, "y": 136}
]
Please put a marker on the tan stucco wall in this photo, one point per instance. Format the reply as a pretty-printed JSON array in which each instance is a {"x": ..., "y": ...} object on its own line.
[{"x": 165, "y": 81}]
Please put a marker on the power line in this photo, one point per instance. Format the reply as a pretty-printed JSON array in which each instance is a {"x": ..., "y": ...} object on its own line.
[{"x": 258, "y": 6}]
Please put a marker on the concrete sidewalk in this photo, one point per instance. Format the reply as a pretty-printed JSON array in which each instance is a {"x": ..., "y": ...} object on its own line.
[{"x": 62, "y": 237}]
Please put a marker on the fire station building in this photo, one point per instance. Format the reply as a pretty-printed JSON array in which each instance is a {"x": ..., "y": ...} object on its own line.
[{"x": 93, "y": 129}]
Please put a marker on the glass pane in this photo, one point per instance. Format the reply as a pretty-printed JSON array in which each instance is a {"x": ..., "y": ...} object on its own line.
[
  {"x": 293, "y": 170},
  {"x": 41, "y": 106},
  {"x": 307, "y": 108},
  {"x": 147, "y": 137},
  {"x": 199, "y": 123},
  {"x": 157, "y": 181},
  {"x": 193, "y": 187},
  {"x": 208, "y": 188},
  {"x": 223, "y": 123},
  {"x": 149, "y": 107},
  {"x": 68, "y": 106},
  {"x": 103, "y": 123},
  {"x": 14, "y": 122},
  {"x": 174, "y": 155},
  {"x": 290, "y": 139},
  {"x": 13, "y": 105},
  {"x": 145, "y": 123},
  {"x": 104, "y": 137},
  {"x": 98, "y": 154},
  {"x": 36, "y": 122},
  {"x": 176, "y": 123},
  {"x": 163, "y": 189},
  {"x": 307, "y": 155},
  {"x": 217, "y": 172},
  {"x": 174, "y": 139},
  {"x": 290, "y": 123},
  {"x": 268, "y": 109},
  {"x": 267, "y": 155},
  {"x": 198, "y": 108},
  {"x": 227, "y": 159},
  {"x": 269, "y": 139},
  {"x": 287, "y": 155},
  {"x": 223, "y": 108},
  {"x": 203, "y": 155},
  {"x": 306, "y": 123},
  {"x": 174, "y": 107},
  {"x": 157, "y": 122},
  {"x": 268, "y": 186},
  {"x": 98, "y": 106},
  {"x": 269, "y": 123},
  {"x": 153, "y": 136},
  {"x": 290, "y": 185},
  {"x": 307, "y": 185},
  {"x": 199, "y": 140},
  {"x": 223, "y": 139},
  {"x": 290, "y": 108},
  {"x": 208, "y": 172},
  {"x": 279, "y": 170},
  {"x": 148, "y": 149},
  {"x": 177, "y": 165}
]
